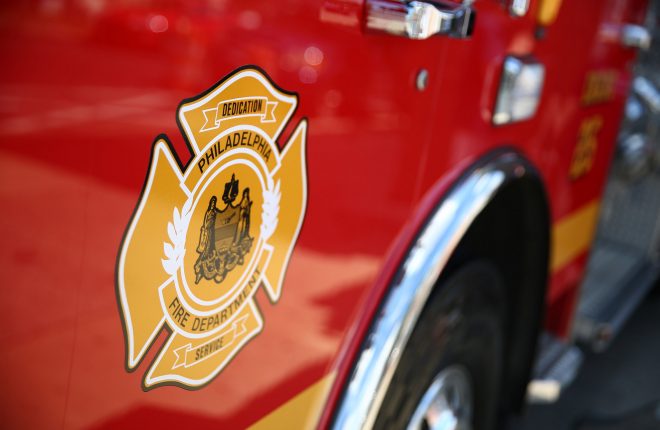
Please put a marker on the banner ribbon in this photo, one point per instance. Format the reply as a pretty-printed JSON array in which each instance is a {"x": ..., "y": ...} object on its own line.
[
  {"x": 188, "y": 356},
  {"x": 239, "y": 108}
]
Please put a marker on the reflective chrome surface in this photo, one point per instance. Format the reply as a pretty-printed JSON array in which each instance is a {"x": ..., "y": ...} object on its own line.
[
  {"x": 520, "y": 90},
  {"x": 634, "y": 156},
  {"x": 406, "y": 298},
  {"x": 647, "y": 92},
  {"x": 518, "y": 8},
  {"x": 447, "y": 403},
  {"x": 419, "y": 20},
  {"x": 635, "y": 36},
  {"x": 557, "y": 365}
]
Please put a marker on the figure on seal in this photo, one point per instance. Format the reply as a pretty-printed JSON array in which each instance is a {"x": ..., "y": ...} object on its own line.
[
  {"x": 224, "y": 237},
  {"x": 206, "y": 246}
]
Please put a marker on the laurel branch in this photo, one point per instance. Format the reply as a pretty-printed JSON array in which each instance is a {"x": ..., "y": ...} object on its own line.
[
  {"x": 176, "y": 230},
  {"x": 270, "y": 211}
]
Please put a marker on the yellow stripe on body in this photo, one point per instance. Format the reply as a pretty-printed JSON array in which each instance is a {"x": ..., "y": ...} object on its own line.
[
  {"x": 548, "y": 10},
  {"x": 302, "y": 411},
  {"x": 572, "y": 235}
]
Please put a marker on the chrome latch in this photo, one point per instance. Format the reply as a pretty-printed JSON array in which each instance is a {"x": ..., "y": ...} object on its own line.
[{"x": 420, "y": 20}]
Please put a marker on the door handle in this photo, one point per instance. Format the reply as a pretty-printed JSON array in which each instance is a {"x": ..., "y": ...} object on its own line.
[{"x": 420, "y": 20}]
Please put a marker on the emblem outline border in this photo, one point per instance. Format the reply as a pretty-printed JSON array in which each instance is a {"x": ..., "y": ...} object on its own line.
[{"x": 162, "y": 142}]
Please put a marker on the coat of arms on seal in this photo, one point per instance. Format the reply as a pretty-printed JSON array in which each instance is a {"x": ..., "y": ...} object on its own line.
[
  {"x": 204, "y": 238},
  {"x": 224, "y": 237}
]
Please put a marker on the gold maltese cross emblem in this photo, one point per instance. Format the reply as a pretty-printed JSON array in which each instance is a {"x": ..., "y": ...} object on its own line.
[{"x": 204, "y": 238}]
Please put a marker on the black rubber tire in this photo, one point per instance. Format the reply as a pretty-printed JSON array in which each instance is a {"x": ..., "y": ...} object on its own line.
[{"x": 462, "y": 323}]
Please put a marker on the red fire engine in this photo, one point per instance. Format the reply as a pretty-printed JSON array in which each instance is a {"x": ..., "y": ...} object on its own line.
[{"x": 336, "y": 213}]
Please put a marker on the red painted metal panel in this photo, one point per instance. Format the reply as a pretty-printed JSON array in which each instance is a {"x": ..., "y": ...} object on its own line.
[{"x": 86, "y": 86}]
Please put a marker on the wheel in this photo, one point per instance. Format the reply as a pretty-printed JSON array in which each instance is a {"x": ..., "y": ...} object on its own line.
[{"x": 449, "y": 375}]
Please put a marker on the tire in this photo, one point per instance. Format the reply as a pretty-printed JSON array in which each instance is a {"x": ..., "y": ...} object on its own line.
[{"x": 459, "y": 331}]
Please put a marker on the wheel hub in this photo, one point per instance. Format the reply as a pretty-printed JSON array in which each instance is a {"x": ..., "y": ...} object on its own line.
[{"x": 446, "y": 404}]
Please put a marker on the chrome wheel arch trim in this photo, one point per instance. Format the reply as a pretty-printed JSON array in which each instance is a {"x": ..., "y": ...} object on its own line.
[{"x": 407, "y": 295}]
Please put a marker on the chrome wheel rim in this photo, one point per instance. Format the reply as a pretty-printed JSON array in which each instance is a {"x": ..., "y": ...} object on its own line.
[{"x": 446, "y": 404}]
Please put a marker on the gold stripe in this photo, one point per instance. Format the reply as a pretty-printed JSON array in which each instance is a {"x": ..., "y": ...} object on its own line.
[
  {"x": 302, "y": 411},
  {"x": 572, "y": 235},
  {"x": 548, "y": 10}
]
